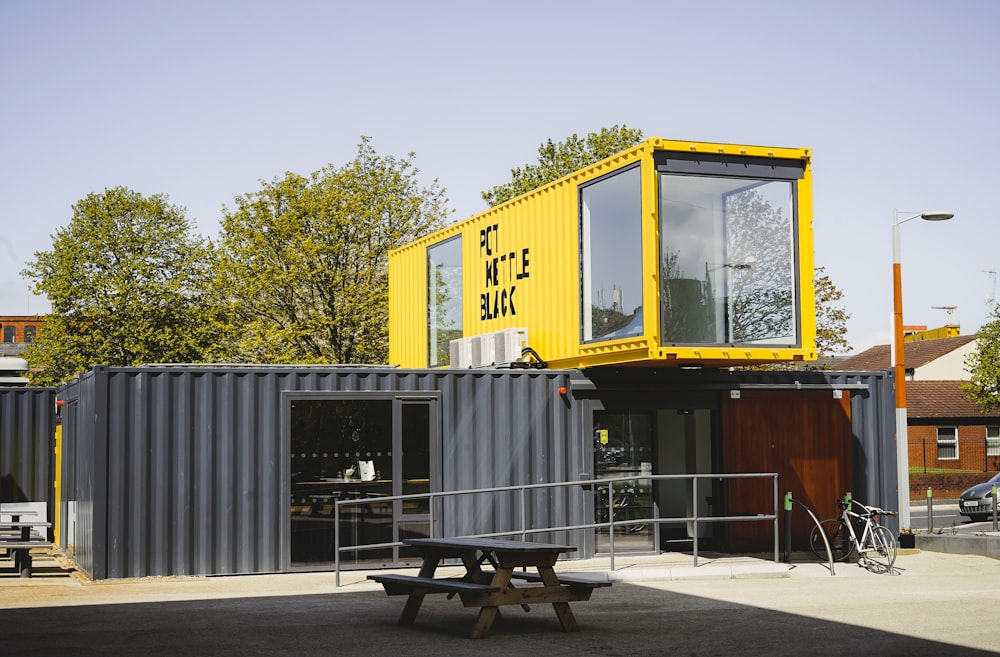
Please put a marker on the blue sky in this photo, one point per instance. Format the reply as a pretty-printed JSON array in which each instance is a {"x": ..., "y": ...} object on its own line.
[{"x": 203, "y": 100}]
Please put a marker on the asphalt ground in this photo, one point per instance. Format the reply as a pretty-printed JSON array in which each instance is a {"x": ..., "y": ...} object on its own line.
[{"x": 934, "y": 604}]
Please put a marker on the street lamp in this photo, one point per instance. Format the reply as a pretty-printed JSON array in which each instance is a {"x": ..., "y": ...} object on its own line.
[{"x": 899, "y": 365}]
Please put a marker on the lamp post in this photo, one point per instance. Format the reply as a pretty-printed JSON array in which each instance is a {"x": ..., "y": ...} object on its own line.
[{"x": 899, "y": 365}]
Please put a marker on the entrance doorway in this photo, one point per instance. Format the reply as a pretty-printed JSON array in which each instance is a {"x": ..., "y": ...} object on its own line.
[
  {"x": 359, "y": 447},
  {"x": 684, "y": 446},
  {"x": 657, "y": 441}
]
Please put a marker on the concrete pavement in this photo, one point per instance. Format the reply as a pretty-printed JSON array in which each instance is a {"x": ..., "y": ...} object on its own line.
[{"x": 936, "y": 604}]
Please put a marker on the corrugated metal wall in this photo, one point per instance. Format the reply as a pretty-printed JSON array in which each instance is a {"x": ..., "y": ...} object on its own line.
[
  {"x": 27, "y": 430},
  {"x": 185, "y": 470},
  {"x": 182, "y": 471}
]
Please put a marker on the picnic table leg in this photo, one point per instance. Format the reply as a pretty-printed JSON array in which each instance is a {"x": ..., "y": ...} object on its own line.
[
  {"x": 488, "y": 614},
  {"x": 416, "y": 597},
  {"x": 22, "y": 560},
  {"x": 565, "y": 614}
]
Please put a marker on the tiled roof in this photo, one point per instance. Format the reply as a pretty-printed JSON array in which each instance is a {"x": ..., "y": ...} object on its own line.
[
  {"x": 916, "y": 354},
  {"x": 934, "y": 399}
]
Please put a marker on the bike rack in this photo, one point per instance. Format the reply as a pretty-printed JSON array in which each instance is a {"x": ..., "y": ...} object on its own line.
[{"x": 789, "y": 500}]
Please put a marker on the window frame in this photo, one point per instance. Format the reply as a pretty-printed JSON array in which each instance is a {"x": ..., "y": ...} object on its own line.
[
  {"x": 992, "y": 441},
  {"x": 585, "y": 252},
  {"x": 755, "y": 171},
  {"x": 943, "y": 442}
]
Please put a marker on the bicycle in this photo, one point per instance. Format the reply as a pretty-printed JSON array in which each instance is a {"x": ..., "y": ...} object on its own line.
[
  {"x": 876, "y": 546},
  {"x": 622, "y": 509}
]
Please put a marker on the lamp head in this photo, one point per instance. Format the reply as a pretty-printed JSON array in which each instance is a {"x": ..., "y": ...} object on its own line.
[{"x": 936, "y": 216}]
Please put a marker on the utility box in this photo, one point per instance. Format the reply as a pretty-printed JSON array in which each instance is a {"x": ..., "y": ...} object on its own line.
[{"x": 671, "y": 253}]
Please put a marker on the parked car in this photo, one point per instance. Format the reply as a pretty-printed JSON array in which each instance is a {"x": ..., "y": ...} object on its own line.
[{"x": 977, "y": 502}]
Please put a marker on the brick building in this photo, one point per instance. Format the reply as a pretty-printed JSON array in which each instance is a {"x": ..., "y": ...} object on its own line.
[
  {"x": 951, "y": 444},
  {"x": 17, "y": 331}
]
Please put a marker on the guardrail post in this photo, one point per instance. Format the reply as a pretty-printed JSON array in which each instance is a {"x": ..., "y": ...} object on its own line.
[
  {"x": 788, "y": 527},
  {"x": 930, "y": 509},
  {"x": 994, "y": 507}
]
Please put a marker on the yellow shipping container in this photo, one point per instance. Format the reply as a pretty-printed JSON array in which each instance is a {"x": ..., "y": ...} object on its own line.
[{"x": 716, "y": 239}]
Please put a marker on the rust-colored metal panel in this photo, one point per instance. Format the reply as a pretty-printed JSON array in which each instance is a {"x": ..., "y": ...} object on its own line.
[{"x": 804, "y": 436}]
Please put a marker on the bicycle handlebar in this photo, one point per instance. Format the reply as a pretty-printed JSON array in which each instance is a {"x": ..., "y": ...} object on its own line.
[{"x": 868, "y": 510}]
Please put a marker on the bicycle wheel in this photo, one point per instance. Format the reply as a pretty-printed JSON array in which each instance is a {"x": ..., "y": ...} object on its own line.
[
  {"x": 836, "y": 534},
  {"x": 880, "y": 549}
]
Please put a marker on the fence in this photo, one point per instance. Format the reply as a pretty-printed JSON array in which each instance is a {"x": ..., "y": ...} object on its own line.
[{"x": 611, "y": 523}]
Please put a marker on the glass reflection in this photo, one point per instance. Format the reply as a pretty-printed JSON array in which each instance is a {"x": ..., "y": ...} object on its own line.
[
  {"x": 727, "y": 261},
  {"x": 611, "y": 257}
]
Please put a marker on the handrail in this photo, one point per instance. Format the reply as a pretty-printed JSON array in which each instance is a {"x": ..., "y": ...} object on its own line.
[{"x": 611, "y": 523}]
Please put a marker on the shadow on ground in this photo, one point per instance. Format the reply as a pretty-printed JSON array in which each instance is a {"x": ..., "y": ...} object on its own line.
[{"x": 629, "y": 620}]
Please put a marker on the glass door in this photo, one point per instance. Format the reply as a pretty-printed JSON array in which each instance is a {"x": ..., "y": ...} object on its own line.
[
  {"x": 623, "y": 447},
  {"x": 364, "y": 448}
]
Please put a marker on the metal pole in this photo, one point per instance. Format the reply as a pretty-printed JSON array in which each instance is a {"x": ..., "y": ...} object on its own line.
[
  {"x": 994, "y": 507},
  {"x": 788, "y": 527},
  {"x": 930, "y": 510},
  {"x": 899, "y": 366}
]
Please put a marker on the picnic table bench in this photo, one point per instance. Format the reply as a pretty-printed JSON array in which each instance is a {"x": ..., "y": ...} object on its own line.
[
  {"x": 19, "y": 537},
  {"x": 490, "y": 589}
]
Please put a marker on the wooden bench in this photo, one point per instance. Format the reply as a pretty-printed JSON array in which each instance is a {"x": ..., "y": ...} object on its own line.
[
  {"x": 398, "y": 584},
  {"x": 572, "y": 580}
]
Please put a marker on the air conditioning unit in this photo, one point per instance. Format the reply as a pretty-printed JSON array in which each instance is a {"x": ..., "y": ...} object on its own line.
[
  {"x": 508, "y": 344},
  {"x": 483, "y": 350},
  {"x": 460, "y": 352}
]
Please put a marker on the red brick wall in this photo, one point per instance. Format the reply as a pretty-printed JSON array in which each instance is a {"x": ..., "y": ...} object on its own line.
[
  {"x": 19, "y": 322},
  {"x": 971, "y": 448},
  {"x": 944, "y": 486}
]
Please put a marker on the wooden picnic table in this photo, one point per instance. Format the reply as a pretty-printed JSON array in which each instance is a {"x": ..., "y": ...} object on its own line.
[
  {"x": 491, "y": 589},
  {"x": 20, "y": 537}
]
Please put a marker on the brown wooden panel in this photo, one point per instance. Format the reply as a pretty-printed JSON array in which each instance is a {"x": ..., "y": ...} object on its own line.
[{"x": 804, "y": 436}]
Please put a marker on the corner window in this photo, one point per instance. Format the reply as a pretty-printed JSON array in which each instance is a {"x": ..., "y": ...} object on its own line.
[
  {"x": 444, "y": 300},
  {"x": 611, "y": 257},
  {"x": 947, "y": 443},
  {"x": 993, "y": 441},
  {"x": 727, "y": 252}
]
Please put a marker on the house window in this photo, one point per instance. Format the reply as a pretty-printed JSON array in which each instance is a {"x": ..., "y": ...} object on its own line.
[
  {"x": 947, "y": 443},
  {"x": 29, "y": 333},
  {"x": 993, "y": 441},
  {"x": 10, "y": 334}
]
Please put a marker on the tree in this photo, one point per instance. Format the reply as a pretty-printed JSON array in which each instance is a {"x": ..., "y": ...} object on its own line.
[
  {"x": 125, "y": 280},
  {"x": 831, "y": 319},
  {"x": 983, "y": 386},
  {"x": 302, "y": 267},
  {"x": 558, "y": 159}
]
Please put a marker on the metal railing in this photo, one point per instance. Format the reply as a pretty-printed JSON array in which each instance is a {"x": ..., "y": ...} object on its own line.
[{"x": 611, "y": 523}]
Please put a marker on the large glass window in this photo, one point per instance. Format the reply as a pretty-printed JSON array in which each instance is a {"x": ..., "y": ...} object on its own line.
[
  {"x": 358, "y": 449},
  {"x": 611, "y": 257},
  {"x": 444, "y": 299},
  {"x": 727, "y": 260}
]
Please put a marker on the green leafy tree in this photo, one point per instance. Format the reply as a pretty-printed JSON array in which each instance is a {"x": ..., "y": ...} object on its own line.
[
  {"x": 558, "y": 159},
  {"x": 302, "y": 267},
  {"x": 983, "y": 387},
  {"x": 831, "y": 318},
  {"x": 125, "y": 280}
]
